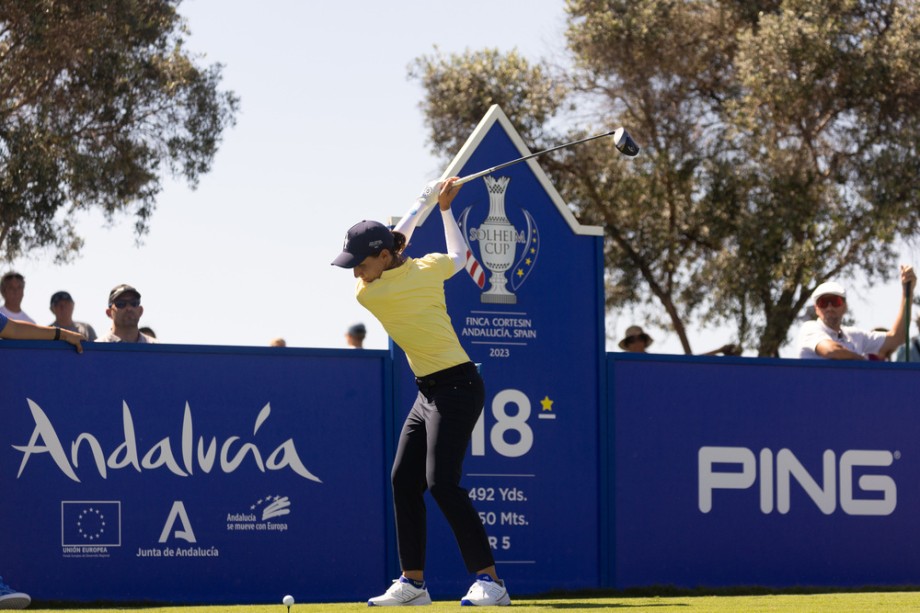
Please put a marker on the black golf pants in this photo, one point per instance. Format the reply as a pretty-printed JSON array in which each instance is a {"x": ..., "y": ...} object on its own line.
[{"x": 429, "y": 456}]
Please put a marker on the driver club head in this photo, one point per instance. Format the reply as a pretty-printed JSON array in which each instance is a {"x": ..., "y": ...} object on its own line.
[{"x": 624, "y": 143}]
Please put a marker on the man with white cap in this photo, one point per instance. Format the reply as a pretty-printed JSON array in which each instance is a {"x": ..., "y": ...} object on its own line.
[{"x": 827, "y": 338}]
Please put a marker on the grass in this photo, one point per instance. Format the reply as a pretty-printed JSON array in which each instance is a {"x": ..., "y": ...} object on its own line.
[{"x": 769, "y": 603}]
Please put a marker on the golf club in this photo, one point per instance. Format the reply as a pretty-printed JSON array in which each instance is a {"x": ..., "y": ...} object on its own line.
[
  {"x": 907, "y": 319},
  {"x": 621, "y": 138}
]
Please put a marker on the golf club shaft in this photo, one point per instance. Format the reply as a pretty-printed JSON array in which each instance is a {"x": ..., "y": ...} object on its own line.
[
  {"x": 907, "y": 317},
  {"x": 489, "y": 171}
]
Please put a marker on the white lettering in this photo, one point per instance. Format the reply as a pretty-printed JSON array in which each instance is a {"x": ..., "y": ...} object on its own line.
[
  {"x": 44, "y": 439},
  {"x": 717, "y": 471},
  {"x": 766, "y": 481},
  {"x": 52, "y": 444},
  {"x": 867, "y": 483},
  {"x": 161, "y": 455},
  {"x": 187, "y": 439},
  {"x": 129, "y": 447},
  {"x": 178, "y": 512},
  {"x": 787, "y": 465},
  {"x": 206, "y": 458},
  {"x": 710, "y": 479},
  {"x": 94, "y": 447}
]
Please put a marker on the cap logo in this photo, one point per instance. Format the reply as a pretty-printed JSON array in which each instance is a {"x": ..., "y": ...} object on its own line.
[{"x": 375, "y": 244}]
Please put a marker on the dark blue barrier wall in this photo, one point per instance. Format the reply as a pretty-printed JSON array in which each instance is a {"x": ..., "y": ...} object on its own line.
[
  {"x": 739, "y": 471},
  {"x": 193, "y": 474},
  {"x": 203, "y": 474}
]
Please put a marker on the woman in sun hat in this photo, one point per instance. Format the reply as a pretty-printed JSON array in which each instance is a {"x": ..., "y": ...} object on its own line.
[{"x": 635, "y": 340}]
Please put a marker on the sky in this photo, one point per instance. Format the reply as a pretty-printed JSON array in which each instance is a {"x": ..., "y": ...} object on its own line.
[{"x": 329, "y": 133}]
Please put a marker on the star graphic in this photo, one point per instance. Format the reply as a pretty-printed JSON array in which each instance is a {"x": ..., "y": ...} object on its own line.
[
  {"x": 91, "y": 532},
  {"x": 547, "y": 404}
]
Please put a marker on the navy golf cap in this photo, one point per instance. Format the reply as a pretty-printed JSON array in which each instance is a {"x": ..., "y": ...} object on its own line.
[{"x": 362, "y": 240}]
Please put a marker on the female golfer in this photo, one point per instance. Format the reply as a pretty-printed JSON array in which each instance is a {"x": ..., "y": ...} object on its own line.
[{"x": 407, "y": 296}]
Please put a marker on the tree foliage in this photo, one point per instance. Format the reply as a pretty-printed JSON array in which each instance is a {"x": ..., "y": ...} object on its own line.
[
  {"x": 779, "y": 148},
  {"x": 98, "y": 100},
  {"x": 461, "y": 88}
]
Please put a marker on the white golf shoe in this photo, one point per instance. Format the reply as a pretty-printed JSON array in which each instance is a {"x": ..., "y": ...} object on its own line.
[
  {"x": 486, "y": 592},
  {"x": 401, "y": 594},
  {"x": 11, "y": 599}
]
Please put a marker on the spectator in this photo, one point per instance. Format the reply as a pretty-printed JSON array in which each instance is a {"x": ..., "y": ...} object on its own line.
[
  {"x": 62, "y": 307},
  {"x": 125, "y": 311},
  {"x": 148, "y": 331},
  {"x": 827, "y": 338},
  {"x": 13, "y": 288},
  {"x": 10, "y": 598},
  {"x": 354, "y": 337},
  {"x": 901, "y": 354},
  {"x": 278, "y": 342},
  {"x": 635, "y": 341},
  {"x": 884, "y": 330}
]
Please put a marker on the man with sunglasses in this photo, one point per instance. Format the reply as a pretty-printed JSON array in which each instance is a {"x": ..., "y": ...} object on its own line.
[
  {"x": 125, "y": 311},
  {"x": 827, "y": 337}
]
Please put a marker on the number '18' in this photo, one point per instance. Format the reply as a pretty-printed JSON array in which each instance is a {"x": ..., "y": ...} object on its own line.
[{"x": 505, "y": 423}]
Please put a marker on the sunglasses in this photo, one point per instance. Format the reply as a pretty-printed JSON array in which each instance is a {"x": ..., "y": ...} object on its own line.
[
  {"x": 120, "y": 304},
  {"x": 629, "y": 340},
  {"x": 830, "y": 300}
]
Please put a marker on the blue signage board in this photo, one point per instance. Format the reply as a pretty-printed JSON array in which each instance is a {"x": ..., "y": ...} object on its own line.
[
  {"x": 192, "y": 474},
  {"x": 733, "y": 471},
  {"x": 529, "y": 308}
]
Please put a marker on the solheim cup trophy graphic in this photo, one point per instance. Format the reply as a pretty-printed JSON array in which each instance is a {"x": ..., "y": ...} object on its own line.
[{"x": 498, "y": 240}]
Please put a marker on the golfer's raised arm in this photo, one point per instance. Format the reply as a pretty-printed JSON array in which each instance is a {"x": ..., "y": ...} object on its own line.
[
  {"x": 456, "y": 247},
  {"x": 427, "y": 199}
]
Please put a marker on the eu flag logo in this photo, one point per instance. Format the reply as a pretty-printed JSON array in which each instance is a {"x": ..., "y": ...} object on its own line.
[{"x": 91, "y": 522}]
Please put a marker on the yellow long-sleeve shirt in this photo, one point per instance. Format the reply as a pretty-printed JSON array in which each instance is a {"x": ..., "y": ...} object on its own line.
[{"x": 409, "y": 302}]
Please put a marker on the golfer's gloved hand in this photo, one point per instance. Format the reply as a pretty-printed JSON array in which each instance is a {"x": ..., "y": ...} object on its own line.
[{"x": 429, "y": 195}]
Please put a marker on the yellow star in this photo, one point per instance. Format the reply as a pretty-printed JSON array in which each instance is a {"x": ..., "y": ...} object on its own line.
[
  {"x": 527, "y": 261},
  {"x": 547, "y": 404},
  {"x": 520, "y": 272}
]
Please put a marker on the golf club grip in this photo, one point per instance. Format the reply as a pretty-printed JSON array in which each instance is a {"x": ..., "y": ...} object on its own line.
[{"x": 489, "y": 171}]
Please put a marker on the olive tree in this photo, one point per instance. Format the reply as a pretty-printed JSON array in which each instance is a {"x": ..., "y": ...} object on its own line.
[{"x": 98, "y": 101}]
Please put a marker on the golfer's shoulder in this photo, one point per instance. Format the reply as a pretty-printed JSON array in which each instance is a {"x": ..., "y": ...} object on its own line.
[{"x": 433, "y": 262}]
